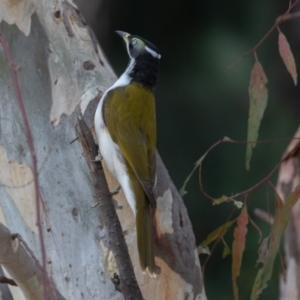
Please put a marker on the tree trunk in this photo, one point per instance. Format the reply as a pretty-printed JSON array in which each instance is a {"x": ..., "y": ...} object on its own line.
[
  {"x": 288, "y": 179},
  {"x": 62, "y": 74}
]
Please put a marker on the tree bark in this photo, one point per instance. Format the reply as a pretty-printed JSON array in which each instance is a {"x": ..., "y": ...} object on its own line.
[
  {"x": 62, "y": 74},
  {"x": 288, "y": 179}
]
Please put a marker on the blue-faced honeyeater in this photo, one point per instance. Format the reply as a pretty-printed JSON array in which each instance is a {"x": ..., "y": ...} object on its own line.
[{"x": 125, "y": 125}]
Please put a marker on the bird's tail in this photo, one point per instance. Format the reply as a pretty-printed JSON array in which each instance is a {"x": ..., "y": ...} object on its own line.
[{"x": 145, "y": 239}]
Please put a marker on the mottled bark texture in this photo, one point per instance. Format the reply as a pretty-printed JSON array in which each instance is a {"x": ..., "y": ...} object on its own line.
[{"x": 62, "y": 74}]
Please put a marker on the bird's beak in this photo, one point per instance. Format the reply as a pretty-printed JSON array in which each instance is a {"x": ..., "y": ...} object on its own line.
[{"x": 123, "y": 35}]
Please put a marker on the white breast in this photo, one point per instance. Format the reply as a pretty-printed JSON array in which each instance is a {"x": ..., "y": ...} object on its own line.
[{"x": 110, "y": 151}]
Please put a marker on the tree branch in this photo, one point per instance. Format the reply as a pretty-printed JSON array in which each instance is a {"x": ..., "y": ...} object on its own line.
[
  {"x": 128, "y": 283},
  {"x": 23, "y": 268},
  {"x": 5, "y": 280},
  {"x": 285, "y": 17}
]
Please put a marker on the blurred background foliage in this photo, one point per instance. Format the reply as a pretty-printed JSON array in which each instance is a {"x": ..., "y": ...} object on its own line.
[{"x": 198, "y": 103}]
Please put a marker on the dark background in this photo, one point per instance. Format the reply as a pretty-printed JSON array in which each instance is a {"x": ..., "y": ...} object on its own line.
[{"x": 198, "y": 103}]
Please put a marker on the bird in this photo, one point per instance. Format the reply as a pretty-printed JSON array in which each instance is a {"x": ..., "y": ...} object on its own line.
[{"x": 125, "y": 125}]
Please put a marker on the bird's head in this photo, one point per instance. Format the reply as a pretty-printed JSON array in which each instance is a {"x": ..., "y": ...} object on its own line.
[{"x": 137, "y": 46}]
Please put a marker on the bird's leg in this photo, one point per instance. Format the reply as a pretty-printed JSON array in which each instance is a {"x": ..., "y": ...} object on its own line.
[
  {"x": 98, "y": 158},
  {"x": 115, "y": 191}
]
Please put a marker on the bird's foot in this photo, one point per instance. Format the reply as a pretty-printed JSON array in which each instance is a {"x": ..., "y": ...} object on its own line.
[
  {"x": 115, "y": 191},
  {"x": 98, "y": 158}
]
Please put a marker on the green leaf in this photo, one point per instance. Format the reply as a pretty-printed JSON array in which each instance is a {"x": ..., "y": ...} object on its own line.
[
  {"x": 263, "y": 250},
  {"x": 226, "y": 250},
  {"x": 224, "y": 198},
  {"x": 258, "y": 102},
  {"x": 238, "y": 247},
  {"x": 221, "y": 200},
  {"x": 292, "y": 198},
  {"x": 277, "y": 229},
  {"x": 217, "y": 234},
  {"x": 204, "y": 250},
  {"x": 182, "y": 191},
  {"x": 287, "y": 56}
]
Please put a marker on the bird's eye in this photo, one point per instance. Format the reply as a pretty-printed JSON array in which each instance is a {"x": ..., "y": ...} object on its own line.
[{"x": 134, "y": 41}]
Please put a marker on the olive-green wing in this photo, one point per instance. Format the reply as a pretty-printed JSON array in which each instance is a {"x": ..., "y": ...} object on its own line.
[{"x": 129, "y": 114}]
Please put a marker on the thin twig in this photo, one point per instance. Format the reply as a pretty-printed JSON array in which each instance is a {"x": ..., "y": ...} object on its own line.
[
  {"x": 30, "y": 143},
  {"x": 5, "y": 280},
  {"x": 278, "y": 21},
  {"x": 255, "y": 186},
  {"x": 74, "y": 140},
  {"x": 289, "y": 17}
]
